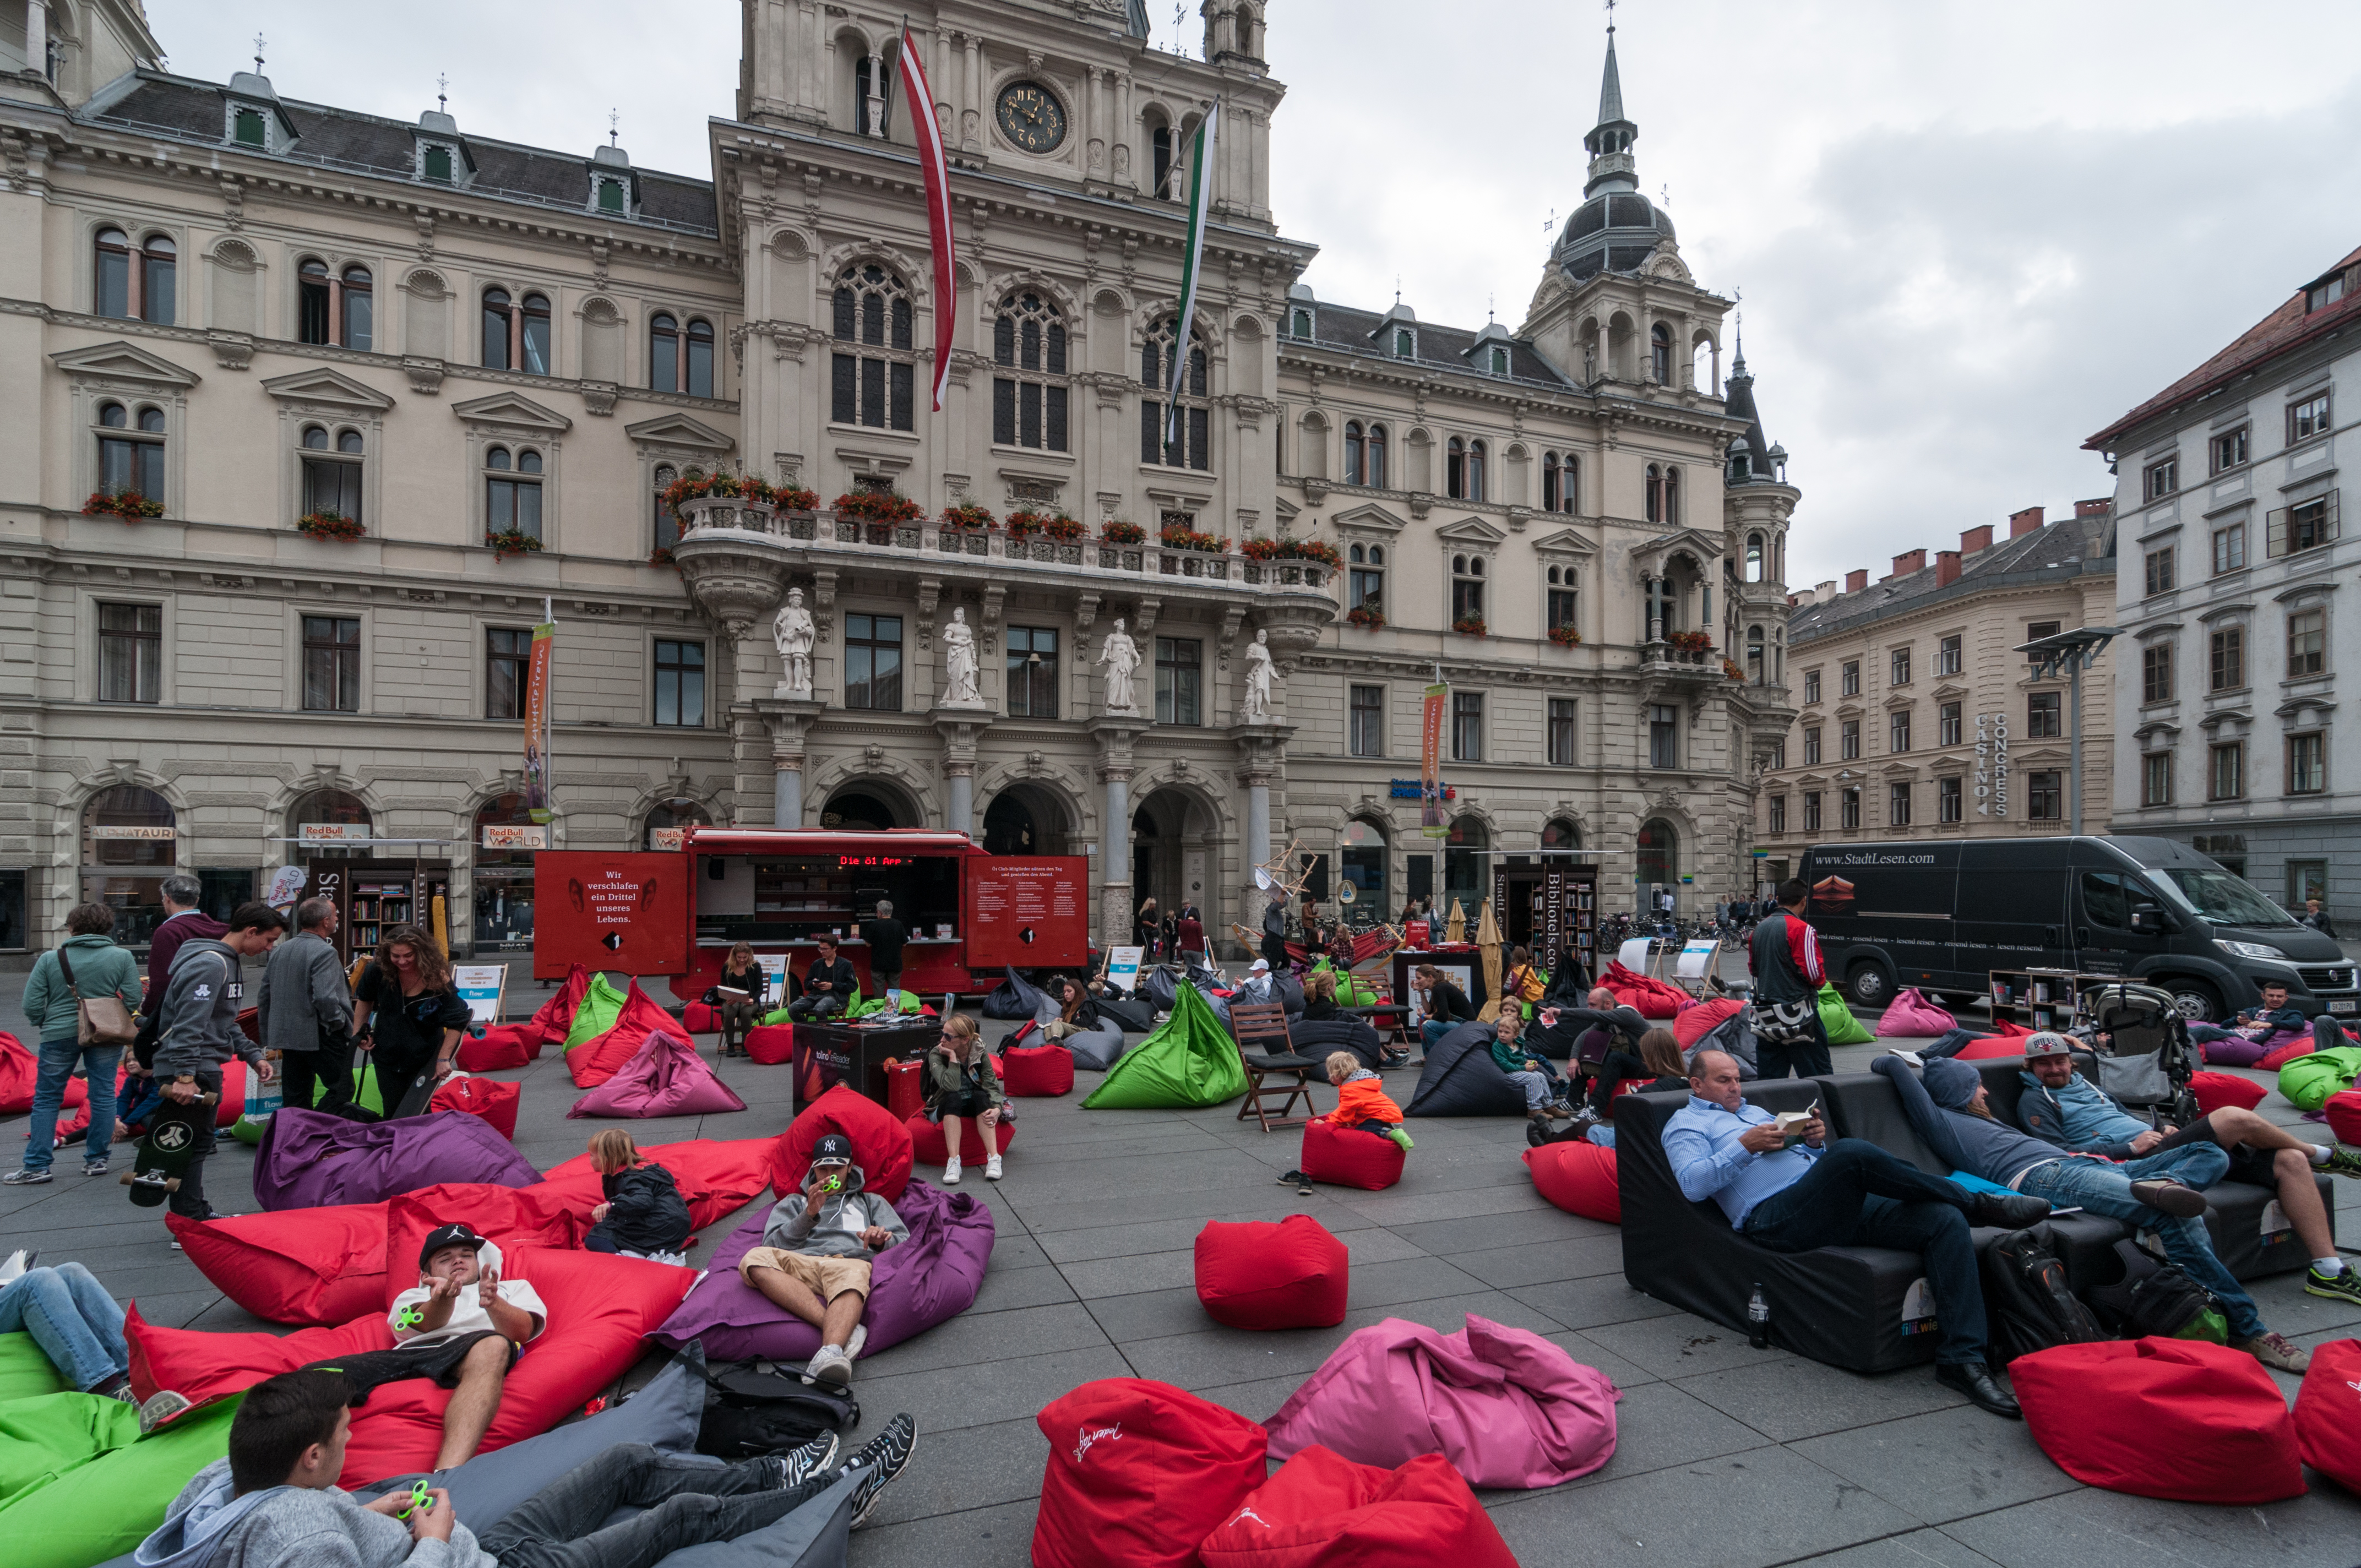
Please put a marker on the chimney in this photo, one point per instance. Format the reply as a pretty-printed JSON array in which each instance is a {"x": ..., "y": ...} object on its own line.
[
  {"x": 1947, "y": 567},
  {"x": 1909, "y": 561},
  {"x": 2021, "y": 524},
  {"x": 1976, "y": 539},
  {"x": 2099, "y": 508},
  {"x": 1856, "y": 581},
  {"x": 1823, "y": 592}
]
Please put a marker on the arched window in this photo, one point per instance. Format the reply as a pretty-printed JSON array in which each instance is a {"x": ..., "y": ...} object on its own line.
[
  {"x": 667, "y": 526},
  {"x": 1549, "y": 481},
  {"x": 516, "y": 337},
  {"x": 1475, "y": 470},
  {"x": 332, "y": 472},
  {"x": 1193, "y": 448},
  {"x": 1741, "y": 462},
  {"x": 532, "y": 334},
  {"x": 503, "y": 828},
  {"x": 359, "y": 313},
  {"x": 1660, "y": 355},
  {"x": 698, "y": 382},
  {"x": 1753, "y": 557},
  {"x": 128, "y": 842},
  {"x": 1361, "y": 857},
  {"x": 160, "y": 266},
  {"x": 1557, "y": 833},
  {"x": 1672, "y": 495},
  {"x": 512, "y": 491},
  {"x": 1467, "y": 587},
  {"x": 664, "y": 353},
  {"x": 667, "y": 820},
  {"x": 1377, "y": 480},
  {"x": 1563, "y": 602},
  {"x": 1754, "y": 655},
  {"x": 1365, "y": 587},
  {"x": 871, "y": 309},
  {"x": 1654, "y": 500},
  {"x": 496, "y": 329},
  {"x": 111, "y": 293},
  {"x": 1569, "y": 483},
  {"x": 1159, "y": 155},
  {"x": 871, "y": 76},
  {"x": 313, "y": 290},
  {"x": 1354, "y": 462},
  {"x": 1454, "y": 469},
  {"x": 1030, "y": 393},
  {"x": 131, "y": 451},
  {"x": 326, "y": 819},
  {"x": 1660, "y": 855}
]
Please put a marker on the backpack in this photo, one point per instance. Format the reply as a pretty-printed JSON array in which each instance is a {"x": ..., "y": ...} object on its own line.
[
  {"x": 753, "y": 1407},
  {"x": 2026, "y": 1298},
  {"x": 2159, "y": 1299}
]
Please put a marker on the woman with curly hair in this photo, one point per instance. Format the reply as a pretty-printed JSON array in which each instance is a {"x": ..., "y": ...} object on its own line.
[{"x": 406, "y": 1014}]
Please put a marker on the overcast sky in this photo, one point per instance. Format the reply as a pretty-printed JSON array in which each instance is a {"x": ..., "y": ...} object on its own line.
[{"x": 1969, "y": 233}]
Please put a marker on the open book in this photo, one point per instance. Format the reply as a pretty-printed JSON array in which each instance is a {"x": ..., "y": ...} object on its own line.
[{"x": 1791, "y": 1123}]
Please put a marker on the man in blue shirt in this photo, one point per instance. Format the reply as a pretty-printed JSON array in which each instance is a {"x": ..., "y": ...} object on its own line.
[{"x": 1811, "y": 1194}]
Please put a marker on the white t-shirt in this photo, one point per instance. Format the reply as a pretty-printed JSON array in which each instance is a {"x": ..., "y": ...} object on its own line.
[{"x": 467, "y": 1313}]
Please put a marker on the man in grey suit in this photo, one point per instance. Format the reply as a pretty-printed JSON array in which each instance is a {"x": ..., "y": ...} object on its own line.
[{"x": 305, "y": 1011}]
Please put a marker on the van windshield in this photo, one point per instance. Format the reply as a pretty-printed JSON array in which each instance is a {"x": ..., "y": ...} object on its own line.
[{"x": 2221, "y": 897}]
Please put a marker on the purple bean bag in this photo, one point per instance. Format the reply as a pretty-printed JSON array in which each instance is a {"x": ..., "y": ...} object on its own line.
[
  {"x": 2236, "y": 1050},
  {"x": 308, "y": 1160},
  {"x": 664, "y": 1077},
  {"x": 929, "y": 1279}
]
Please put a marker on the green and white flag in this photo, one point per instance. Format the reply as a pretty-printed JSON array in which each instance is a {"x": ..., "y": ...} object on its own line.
[{"x": 1201, "y": 191}]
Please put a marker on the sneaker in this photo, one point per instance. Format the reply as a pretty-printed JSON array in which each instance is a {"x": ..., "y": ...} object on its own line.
[
  {"x": 951, "y": 1171},
  {"x": 2275, "y": 1351},
  {"x": 118, "y": 1386},
  {"x": 1913, "y": 1057},
  {"x": 883, "y": 1457},
  {"x": 25, "y": 1177},
  {"x": 860, "y": 1337},
  {"x": 95, "y": 1168},
  {"x": 991, "y": 1172},
  {"x": 2344, "y": 1285},
  {"x": 831, "y": 1367},
  {"x": 160, "y": 1408},
  {"x": 2341, "y": 1161},
  {"x": 798, "y": 1466},
  {"x": 2169, "y": 1196}
]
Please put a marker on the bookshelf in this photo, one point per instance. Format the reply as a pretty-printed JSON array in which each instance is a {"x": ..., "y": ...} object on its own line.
[
  {"x": 378, "y": 904},
  {"x": 2042, "y": 998}
]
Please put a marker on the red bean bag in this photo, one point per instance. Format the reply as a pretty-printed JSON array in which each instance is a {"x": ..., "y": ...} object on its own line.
[
  {"x": 1579, "y": 1177},
  {"x": 770, "y": 1043},
  {"x": 1256, "y": 1275},
  {"x": 716, "y": 1176},
  {"x": 2325, "y": 1431},
  {"x": 495, "y": 1102},
  {"x": 1696, "y": 1023},
  {"x": 1139, "y": 1471},
  {"x": 556, "y": 1015},
  {"x": 2215, "y": 1091},
  {"x": 501, "y": 1045},
  {"x": 928, "y": 1146},
  {"x": 699, "y": 1019},
  {"x": 1321, "y": 1510},
  {"x": 2344, "y": 1112},
  {"x": 323, "y": 1265},
  {"x": 601, "y": 1057},
  {"x": 1991, "y": 1050},
  {"x": 514, "y": 1217},
  {"x": 1347, "y": 1157},
  {"x": 601, "y": 1308},
  {"x": 2275, "y": 1059},
  {"x": 1036, "y": 1071},
  {"x": 666, "y": 1077},
  {"x": 2111, "y": 1414},
  {"x": 881, "y": 1145},
  {"x": 1654, "y": 998}
]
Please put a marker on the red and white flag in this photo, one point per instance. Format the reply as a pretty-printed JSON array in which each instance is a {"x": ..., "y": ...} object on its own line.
[{"x": 921, "y": 101}]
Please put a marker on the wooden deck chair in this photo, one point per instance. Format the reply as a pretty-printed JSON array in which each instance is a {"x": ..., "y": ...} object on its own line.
[{"x": 1266, "y": 1022}]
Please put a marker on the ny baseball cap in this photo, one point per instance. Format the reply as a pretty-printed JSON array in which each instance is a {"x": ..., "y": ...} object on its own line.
[
  {"x": 2047, "y": 1043},
  {"x": 443, "y": 1236},
  {"x": 832, "y": 1147}
]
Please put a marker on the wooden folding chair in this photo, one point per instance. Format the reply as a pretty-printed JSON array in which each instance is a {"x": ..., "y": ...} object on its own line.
[{"x": 1266, "y": 1022}]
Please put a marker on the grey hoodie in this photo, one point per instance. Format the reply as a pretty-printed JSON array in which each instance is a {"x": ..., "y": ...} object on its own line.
[
  {"x": 198, "y": 1029},
  {"x": 292, "y": 1527},
  {"x": 823, "y": 1232}
]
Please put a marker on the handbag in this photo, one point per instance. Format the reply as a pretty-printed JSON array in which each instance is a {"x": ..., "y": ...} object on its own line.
[
  {"x": 101, "y": 1022},
  {"x": 1782, "y": 1023}
]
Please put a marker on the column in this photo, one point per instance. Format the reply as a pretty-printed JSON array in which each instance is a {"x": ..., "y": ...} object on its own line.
[
  {"x": 789, "y": 720},
  {"x": 961, "y": 729},
  {"x": 1262, "y": 762},
  {"x": 1116, "y": 734},
  {"x": 787, "y": 792},
  {"x": 1114, "y": 830}
]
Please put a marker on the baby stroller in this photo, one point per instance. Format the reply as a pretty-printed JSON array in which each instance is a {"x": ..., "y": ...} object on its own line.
[{"x": 2145, "y": 1058}]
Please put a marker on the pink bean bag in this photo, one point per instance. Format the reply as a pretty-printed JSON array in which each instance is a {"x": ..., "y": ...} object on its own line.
[
  {"x": 2344, "y": 1112},
  {"x": 1139, "y": 1472},
  {"x": 929, "y": 1145},
  {"x": 499, "y": 1047},
  {"x": 1504, "y": 1406},
  {"x": 1696, "y": 1023},
  {"x": 313, "y": 1266},
  {"x": 1347, "y": 1157},
  {"x": 881, "y": 1142},
  {"x": 1579, "y": 1177},
  {"x": 1256, "y": 1275},
  {"x": 495, "y": 1102},
  {"x": 1911, "y": 1016},
  {"x": 665, "y": 1078},
  {"x": 601, "y": 1057},
  {"x": 1036, "y": 1071},
  {"x": 699, "y": 1019},
  {"x": 770, "y": 1043},
  {"x": 1321, "y": 1510},
  {"x": 2216, "y": 1090},
  {"x": 929, "y": 1279}
]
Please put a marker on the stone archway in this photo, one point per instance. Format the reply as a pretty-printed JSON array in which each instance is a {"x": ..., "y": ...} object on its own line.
[
  {"x": 1176, "y": 854},
  {"x": 867, "y": 806},
  {"x": 1027, "y": 819}
]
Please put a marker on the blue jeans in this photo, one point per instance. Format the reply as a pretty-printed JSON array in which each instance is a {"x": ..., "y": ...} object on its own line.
[
  {"x": 2106, "y": 1189},
  {"x": 1431, "y": 1030},
  {"x": 72, "y": 1318},
  {"x": 59, "y": 1059},
  {"x": 688, "y": 1500}
]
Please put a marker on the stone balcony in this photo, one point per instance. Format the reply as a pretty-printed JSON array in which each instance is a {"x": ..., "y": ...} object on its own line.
[{"x": 1670, "y": 663}]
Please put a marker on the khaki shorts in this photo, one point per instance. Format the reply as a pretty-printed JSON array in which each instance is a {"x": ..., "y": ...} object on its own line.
[{"x": 827, "y": 1277}]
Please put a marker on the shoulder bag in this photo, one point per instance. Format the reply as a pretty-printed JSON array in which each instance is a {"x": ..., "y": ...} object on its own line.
[
  {"x": 1782, "y": 1023},
  {"x": 98, "y": 1021}
]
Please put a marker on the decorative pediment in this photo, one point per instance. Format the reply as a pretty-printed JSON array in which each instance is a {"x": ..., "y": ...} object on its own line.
[
  {"x": 329, "y": 389},
  {"x": 1566, "y": 542},
  {"x": 1692, "y": 540},
  {"x": 1951, "y": 691},
  {"x": 121, "y": 361},
  {"x": 2156, "y": 734},
  {"x": 516, "y": 412},
  {"x": 1370, "y": 519},
  {"x": 676, "y": 429},
  {"x": 1472, "y": 531},
  {"x": 1286, "y": 510},
  {"x": 2318, "y": 706}
]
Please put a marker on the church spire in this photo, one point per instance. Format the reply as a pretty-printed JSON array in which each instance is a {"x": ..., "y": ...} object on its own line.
[{"x": 1609, "y": 141}]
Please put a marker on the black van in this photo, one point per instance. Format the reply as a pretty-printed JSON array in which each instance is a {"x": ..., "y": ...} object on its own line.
[{"x": 1941, "y": 916}]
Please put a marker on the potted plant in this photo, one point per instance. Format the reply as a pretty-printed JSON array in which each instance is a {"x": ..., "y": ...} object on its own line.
[
  {"x": 1062, "y": 528},
  {"x": 1178, "y": 537},
  {"x": 1690, "y": 642},
  {"x": 1260, "y": 549},
  {"x": 1730, "y": 667},
  {"x": 1564, "y": 636},
  {"x": 968, "y": 516},
  {"x": 510, "y": 542},
  {"x": 1469, "y": 626},
  {"x": 329, "y": 525},
  {"x": 661, "y": 556},
  {"x": 128, "y": 505},
  {"x": 1025, "y": 524},
  {"x": 877, "y": 505},
  {"x": 1115, "y": 531},
  {"x": 1310, "y": 550},
  {"x": 1368, "y": 617},
  {"x": 794, "y": 497}
]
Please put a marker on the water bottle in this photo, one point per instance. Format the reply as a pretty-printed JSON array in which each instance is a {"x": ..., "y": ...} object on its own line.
[{"x": 1758, "y": 1320}]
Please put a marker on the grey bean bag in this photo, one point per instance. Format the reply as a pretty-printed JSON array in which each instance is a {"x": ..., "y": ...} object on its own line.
[
  {"x": 1097, "y": 1049},
  {"x": 1136, "y": 1015},
  {"x": 1159, "y": 988},
  {"x": 814, "y": 1536},
  {"x": 1318, "y": 1039}
]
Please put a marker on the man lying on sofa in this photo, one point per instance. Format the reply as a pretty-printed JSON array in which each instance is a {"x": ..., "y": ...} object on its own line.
[
  {"x": 2162, "y": 1190},
  {"x": 1794, "y": 1196},
  {"x": 2060, "y": 1106}
]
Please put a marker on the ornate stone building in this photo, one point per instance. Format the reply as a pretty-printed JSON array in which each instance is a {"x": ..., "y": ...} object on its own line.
[{"x": 256, "y": 310}]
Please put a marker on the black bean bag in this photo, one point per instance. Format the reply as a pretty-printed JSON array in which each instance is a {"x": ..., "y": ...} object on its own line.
[
  {"x": 1317, "y": 1039},
  {"x": 1014, "y": 998},
  {"x": 1462, "y": 1080},
  {"x": 1159, "y": 988},
  {"x": 1137, "y": 1015}
]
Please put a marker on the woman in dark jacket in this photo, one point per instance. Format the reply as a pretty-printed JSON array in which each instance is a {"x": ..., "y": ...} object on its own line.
[
  {"x": 740, "y": 972},
  {"x": 645, "y": 1214},
  {"x": 408, "y": 1012}
]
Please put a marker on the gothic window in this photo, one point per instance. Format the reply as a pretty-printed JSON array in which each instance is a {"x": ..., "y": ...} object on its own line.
[
  {"x": 1377, "y": 452},
  {"x": 873, "y": 310},
  {"x": 1029, "y": 396},
  {"x": 1155, "y": 443},
  {"x": 1355, "y": 466}
]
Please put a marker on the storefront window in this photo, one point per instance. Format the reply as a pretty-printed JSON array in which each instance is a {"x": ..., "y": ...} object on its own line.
[
  {"x": 1362, "y": 856},
  {"x": 223, "y": 891},
  {"x": 503, "y": 881},
  {"x": 1463, "y": 865},
  {"x": 326, "y": 821},
  {"x": 128, "y": 843}
]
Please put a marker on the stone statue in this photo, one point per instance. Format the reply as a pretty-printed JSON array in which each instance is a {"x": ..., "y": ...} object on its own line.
[
  {"x": 959, "y": 664},
  {"x": 1119, "y": 656},
  {"x": 1255, "y": 707},
  {"x": 793, "y": 631}
]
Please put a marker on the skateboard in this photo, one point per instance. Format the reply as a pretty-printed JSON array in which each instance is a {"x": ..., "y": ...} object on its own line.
[{"x": 164, "y": 1151}]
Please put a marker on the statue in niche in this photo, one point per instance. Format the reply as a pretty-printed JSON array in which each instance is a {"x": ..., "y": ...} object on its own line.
[
  {"x": 1119, "y": 656},
  {"x": 793, "y": 631},
  {"x": 959, "y": 669},
  {"x": 1255, "y": 707}
]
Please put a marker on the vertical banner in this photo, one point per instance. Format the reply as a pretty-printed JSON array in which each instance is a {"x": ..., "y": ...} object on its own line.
[
  {"x": 1429, "y": 763},
  {"x": 920, "y": 99},
  {"x": 1200, "y": 193},
  {"x": 537, "y": 722}
]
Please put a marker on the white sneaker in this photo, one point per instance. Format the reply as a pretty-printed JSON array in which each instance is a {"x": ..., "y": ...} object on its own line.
[
  {"x": 952, "y": 1172},
  {"x": 1913, "y": 1057},
  {"x": 860, "y": 1337},
  {"x": 992, "y": 1168},
  {"x": 830, "y": 1367}
]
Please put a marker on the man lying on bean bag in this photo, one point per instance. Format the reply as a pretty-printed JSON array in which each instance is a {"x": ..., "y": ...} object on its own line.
[
  {"x": 274, "y": 1502},
  {"x": 814, "y": 1259}
]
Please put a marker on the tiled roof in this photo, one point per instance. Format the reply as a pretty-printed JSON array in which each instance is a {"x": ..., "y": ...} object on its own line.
[
  {"x": 2060, "y": 550},
  {"x": 1355, "y": 331},
  {"x": 2285, "y": 328}
]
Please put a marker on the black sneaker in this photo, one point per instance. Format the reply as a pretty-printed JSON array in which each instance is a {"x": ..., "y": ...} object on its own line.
[
  {"x": 884, "y": 1457},
  {"x": 800, "y": 1465}
]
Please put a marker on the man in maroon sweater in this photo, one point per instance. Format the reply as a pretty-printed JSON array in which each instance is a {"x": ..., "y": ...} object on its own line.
[{"x": 181, "y": 921}]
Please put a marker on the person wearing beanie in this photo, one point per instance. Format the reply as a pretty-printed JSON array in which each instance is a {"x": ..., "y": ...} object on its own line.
[{"x": 2162, "y": 1192}]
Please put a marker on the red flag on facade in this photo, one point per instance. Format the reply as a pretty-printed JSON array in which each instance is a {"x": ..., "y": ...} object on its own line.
[{"x": 921, "y": 101}]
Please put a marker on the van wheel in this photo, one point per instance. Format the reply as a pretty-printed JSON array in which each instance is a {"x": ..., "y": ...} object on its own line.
[
  {"x": 1870, "y": 984},
  {"x": 2196, "y": 1002}
]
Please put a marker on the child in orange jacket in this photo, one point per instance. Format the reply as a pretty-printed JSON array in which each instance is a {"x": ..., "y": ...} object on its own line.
[{"x": 1361, "y": 1100}]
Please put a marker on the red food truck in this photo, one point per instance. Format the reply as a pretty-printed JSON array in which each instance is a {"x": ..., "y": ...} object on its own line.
[{"x": 678, "y": 912}]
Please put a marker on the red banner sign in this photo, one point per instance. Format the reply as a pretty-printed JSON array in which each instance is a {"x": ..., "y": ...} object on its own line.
[
  {"x": 536, "y": 723},
  {"x": 1430, "y": 761}
]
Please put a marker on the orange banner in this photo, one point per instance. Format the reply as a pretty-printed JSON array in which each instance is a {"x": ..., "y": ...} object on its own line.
[
  {"x": 537, "y": 722},
  {"x": 1429, "y": 763}
]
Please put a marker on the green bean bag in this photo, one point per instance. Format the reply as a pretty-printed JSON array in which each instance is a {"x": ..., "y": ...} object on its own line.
[
  {"x": 25, "y": 1370},
  {"x": 1842, "y": 1027},
  {"x": 1190, "y": 1061},
  {"x": 102, "y": 1505},
  {"x": 2309, "y": 1081},
  {"x": 42, "y": 1437},
  {"x": 1351, "y": 990},
  {"x": 597, "y": 1013}
]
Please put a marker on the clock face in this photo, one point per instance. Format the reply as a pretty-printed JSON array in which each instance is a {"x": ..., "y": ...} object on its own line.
[{"x": 1031, "y": 116}]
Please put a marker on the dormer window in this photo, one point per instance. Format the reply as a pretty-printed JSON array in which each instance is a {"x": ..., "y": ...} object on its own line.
[
  {"x": 1302, "y": 327},
  {"x": 612, "y": 196},
  {"x": 1500, "y": 361},
  {"x": 1405, "y": 344},
  {"x": 247, "y": 127},
  {"x": 2325, "y": 292},
  {"x": 437, "y": 162}
]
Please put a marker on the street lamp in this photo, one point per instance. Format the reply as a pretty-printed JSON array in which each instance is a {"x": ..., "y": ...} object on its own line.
[{"x": 2075, "y": 652}]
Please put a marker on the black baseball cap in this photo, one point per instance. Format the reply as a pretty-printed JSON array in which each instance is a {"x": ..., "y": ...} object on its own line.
[
  {"x": 443, "y": 1236},
  {"x": 832, "y": 1147}
]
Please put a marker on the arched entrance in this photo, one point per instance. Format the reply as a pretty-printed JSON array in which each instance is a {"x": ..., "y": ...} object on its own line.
[
  {"x": 1361, "y": 858},
  {"x": 666, "y": 819},
  {"x": 326, "y": 820},
  {"x": 1466, "y": 858},
  {"x": 1025, "y": 819},
  {"x": 1172, "y": 857},
  {"x": 1659, "y": 859},
  {"x": 1557, "y": 833},
  {"x": 503, "y": 840},
  {"x": 857, "y": 809},
  {"x": 129, "y": 845}
]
